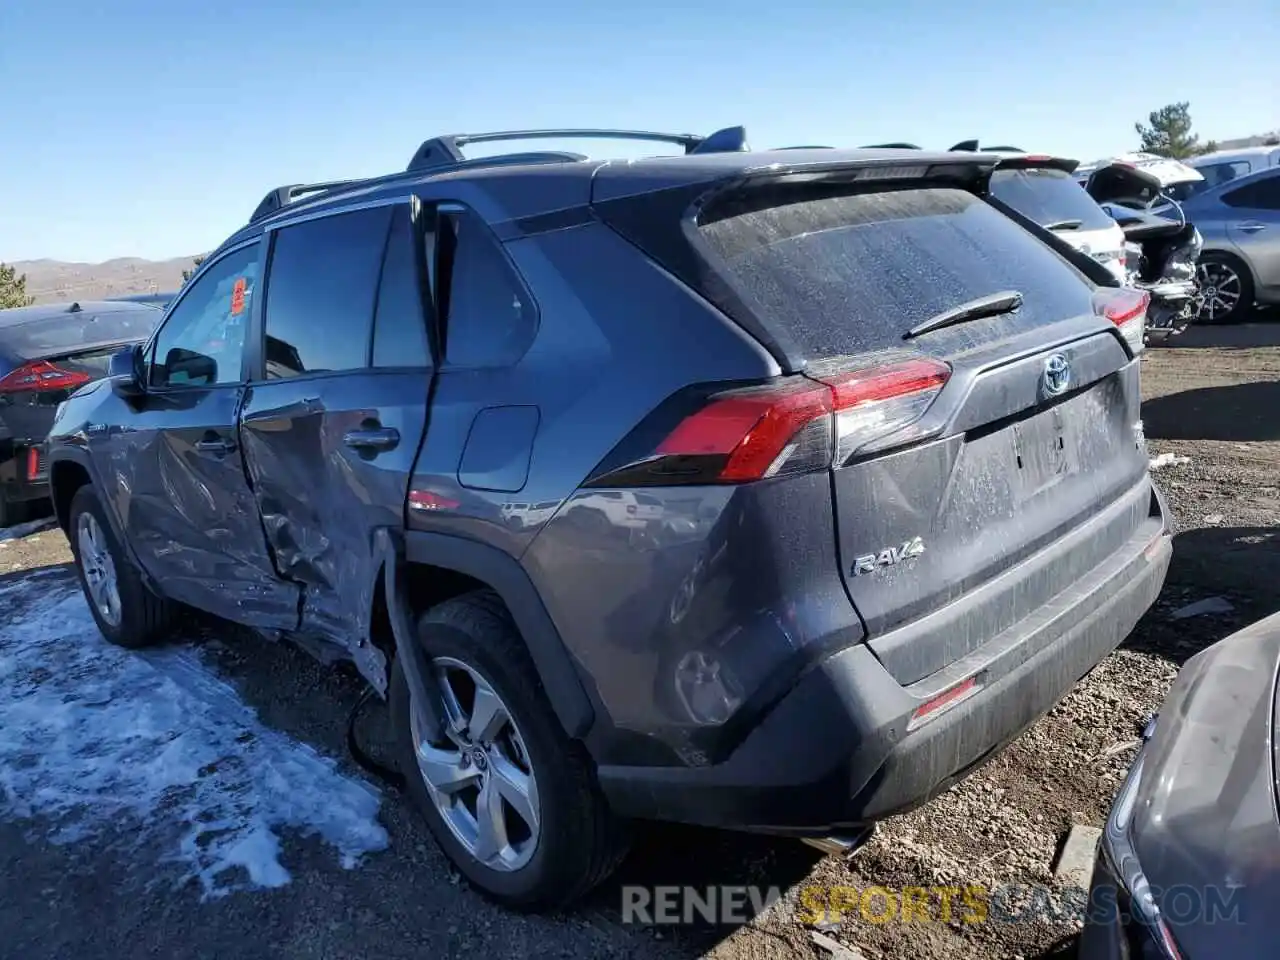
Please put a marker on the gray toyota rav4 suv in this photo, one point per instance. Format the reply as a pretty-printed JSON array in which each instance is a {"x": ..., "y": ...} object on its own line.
[{"x": 828, "y": 470}]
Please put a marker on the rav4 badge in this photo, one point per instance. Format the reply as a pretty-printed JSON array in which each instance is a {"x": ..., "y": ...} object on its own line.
[{"x": 888, "y": 557}]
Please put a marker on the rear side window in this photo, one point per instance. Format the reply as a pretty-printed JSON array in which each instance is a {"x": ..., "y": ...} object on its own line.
[
  {"x": 320, "y": 293},
  {"x": 489, "y": 318},
  {"x": 1216, "y": 174},
  {"x": 399, "y": 330},
  {"x": 1261, "y": 194},
  {"x": 1050, "y": 198},
  {"x": 840, "y": 274}
]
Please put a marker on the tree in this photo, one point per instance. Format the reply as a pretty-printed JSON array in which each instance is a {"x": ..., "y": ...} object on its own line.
[
  {"x": 1169, "y": 134},
  {"x": 195, "y": 262},
  {"x": 1211, "y": 146},
  {"x": 13, "y": 288}
]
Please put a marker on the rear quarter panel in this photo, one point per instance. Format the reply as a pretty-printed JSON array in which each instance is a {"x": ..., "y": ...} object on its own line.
[{"x": 616, "y": 336}]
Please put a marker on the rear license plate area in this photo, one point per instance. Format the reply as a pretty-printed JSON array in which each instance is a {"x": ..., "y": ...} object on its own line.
[{"x": 1045, "y": 452}]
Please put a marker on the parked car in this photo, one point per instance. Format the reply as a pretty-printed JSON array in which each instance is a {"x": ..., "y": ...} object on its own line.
[
  {"x": 916, "y": 511},
  {"x": 1240, "y": 265},
  {"x": 1222, "y": 166},
  {"x": 160, "y": 300},
  {"x": 1042, "y": 188},
  {"x": 1187, "y": 865},
  {"x": 46, "y": 352},
  {"x": 1174, "y": 178}
]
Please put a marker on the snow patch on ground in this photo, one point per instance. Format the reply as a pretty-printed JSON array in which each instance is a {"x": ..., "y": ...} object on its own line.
[
  {"x": 96, "y": 741},
  {"x": 1168, "y": 460},
  {"x": 18, "y": 531}
]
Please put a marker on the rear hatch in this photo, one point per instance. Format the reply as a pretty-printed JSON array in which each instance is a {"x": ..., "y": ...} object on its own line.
[
  {"x": 1143, "y": 183},
  {"x": 48, "y": 352},
  {"x": 965, "y": 449}
]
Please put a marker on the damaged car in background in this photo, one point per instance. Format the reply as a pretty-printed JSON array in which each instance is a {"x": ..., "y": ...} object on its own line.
[
  {"x": 46, "y": 352},
  {"x": 1163, "y": 247},
  {"x": 425, "y": 420},
  {"x": 1112, "y": 220}
]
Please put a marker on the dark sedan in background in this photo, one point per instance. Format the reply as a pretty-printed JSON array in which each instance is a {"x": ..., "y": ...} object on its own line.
[
  {"x": 1189, "y": 865},
  {"x": 46, "y": 352}
]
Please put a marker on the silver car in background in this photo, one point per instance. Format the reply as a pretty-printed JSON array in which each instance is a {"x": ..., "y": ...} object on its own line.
[
  {"x": 1240, "y": 266},
  {"x": 1224, "y": 165}
]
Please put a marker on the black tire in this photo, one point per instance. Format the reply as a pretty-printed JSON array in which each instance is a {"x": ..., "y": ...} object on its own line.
[
  {"x": 1244, "y": 305},
  {"x": 9, "y": 515},
  {"x": 145, "y": 618},
  {"x": 580, "y": 842}
]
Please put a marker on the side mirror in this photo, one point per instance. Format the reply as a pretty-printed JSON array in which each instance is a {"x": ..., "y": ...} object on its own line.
[{"x": 127, "y": 372}]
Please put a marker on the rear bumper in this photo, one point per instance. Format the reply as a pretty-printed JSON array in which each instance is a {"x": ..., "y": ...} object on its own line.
[{"x": 837, "y": 752}]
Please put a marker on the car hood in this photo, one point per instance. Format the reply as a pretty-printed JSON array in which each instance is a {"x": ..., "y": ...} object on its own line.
[{"x": 1205, "y": 824}]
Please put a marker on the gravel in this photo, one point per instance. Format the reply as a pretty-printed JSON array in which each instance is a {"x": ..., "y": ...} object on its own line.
[{"x": 1212, "y": 430}]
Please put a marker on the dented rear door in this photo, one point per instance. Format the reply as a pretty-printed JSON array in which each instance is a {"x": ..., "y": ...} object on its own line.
[{"x": 337, "y": 407}]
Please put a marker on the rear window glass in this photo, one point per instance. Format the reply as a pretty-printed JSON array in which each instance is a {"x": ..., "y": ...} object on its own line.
[
  {"x": 848, "y": 273},
  {"x": 64, "y": 332},
  {"x": 1049, "y": 197}
]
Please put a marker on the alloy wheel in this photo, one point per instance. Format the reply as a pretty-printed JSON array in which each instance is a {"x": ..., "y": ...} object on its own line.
[
  {"x": 477, "y": 770},
  {"x": 99, "y": 569},
  {"x": 1219, "y": 291}
]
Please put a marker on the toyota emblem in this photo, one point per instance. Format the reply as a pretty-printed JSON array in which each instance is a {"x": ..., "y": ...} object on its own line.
[{"x": 1057, "y": 375}]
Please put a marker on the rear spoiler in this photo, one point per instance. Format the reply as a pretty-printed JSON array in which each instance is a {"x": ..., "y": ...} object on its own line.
[
  {"x": 814, "y": 165},
  {"x": 1037, "y": 161}
]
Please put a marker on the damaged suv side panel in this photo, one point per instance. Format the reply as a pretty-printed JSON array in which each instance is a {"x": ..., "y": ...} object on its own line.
[{"x": 335, "y": 411}]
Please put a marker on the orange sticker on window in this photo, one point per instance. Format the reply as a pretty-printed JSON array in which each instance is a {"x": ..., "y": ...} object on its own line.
[{"x": 237, "y": 297}]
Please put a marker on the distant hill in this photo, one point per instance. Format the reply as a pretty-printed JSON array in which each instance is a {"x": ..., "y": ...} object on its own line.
[{"x": 50, "y": 281}]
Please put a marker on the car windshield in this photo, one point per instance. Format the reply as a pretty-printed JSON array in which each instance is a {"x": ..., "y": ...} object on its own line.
[{"x": 1048, "y": 197}]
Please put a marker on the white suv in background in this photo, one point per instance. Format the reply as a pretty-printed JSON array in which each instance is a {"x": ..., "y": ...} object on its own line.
[
  {"x": 1044, "y": 189},
  {"x": 1051, "y": 197}
]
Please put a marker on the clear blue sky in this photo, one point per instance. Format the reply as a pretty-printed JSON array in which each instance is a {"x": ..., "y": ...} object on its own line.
[{"x": 152, "y": 129}]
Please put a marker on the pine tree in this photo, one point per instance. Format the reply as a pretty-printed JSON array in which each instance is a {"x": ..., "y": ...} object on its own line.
[
  {"x": 13, "y": 288},
  {"x": 1169, "y": 134}
]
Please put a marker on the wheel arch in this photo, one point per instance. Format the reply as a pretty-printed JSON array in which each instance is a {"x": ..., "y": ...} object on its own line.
[
  {"x": 438, "y": 566},
  {"x": 66, "y": 476}
]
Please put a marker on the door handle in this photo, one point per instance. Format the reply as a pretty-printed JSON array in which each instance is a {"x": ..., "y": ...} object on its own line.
[
  {"x": 1251, "y": 226},
  {"x": 215, "y": 445},
  {"x": 372, "y": 438}
]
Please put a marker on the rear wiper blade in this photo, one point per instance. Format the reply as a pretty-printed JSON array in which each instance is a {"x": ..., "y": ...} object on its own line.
[
  {"x": 1064, "y": 225},
  {"x": 992, "y": 305}
]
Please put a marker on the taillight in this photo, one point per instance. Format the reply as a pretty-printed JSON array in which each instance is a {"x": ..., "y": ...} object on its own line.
[
  {"x": 1127, "y": 309},
  {"x": 33, "y": 463},
  {"x": 41, "y": 375},
  {"x": 872, "y": 405},
  {"x": 797, "y": 425}
]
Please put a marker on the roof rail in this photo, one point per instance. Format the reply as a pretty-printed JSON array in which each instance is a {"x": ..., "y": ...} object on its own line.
[
  {"x": 440, "y": 152},
  {"x": 281, "y": 196},
  {"x": 891, "y": 146}
]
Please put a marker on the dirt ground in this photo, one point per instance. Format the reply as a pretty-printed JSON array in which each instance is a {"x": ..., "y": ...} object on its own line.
[{"x": 1216, "y": 406}]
